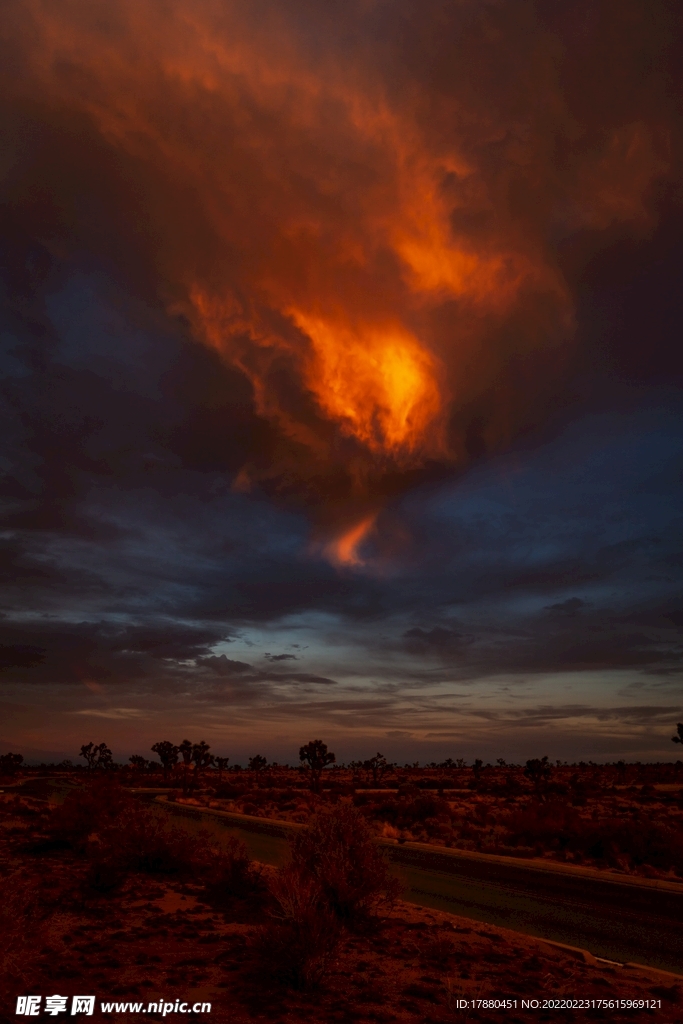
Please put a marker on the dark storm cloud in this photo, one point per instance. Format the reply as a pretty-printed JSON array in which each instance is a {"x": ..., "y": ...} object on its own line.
[
  {"x": 97, "y": 651},
  {"x": 640, "y": 713},
  {"x": 20, "y": 655},
  {"x": 156, "y": 653},
  {"x": 529, "y": 643},
  {"x": 223, "y": 666},
  {"x": 572, "y": 606},
  {"x": 437, "y": 636}
]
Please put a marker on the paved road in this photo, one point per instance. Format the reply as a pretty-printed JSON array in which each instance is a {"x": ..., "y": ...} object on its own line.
[{"x": 612, "y": 917}]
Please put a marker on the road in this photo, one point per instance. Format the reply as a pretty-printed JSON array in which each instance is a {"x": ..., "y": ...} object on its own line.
[{"x": 612, "y": 916}]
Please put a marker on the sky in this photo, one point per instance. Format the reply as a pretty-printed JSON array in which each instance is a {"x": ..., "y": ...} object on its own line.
[{"x": 341, "y": 378}]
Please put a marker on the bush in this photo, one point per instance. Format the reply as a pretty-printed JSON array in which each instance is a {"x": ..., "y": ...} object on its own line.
[
  {"x": 612, "y": 841},
  {"x": 425, "y": 807},
  {"x": 388, "y": 810},
  {"x": 337, "y": 852},
  {"x": 229, "y": 791},
  {"x": 656, "y": 846},
  {"x": 137, "y": 840},
  {"x": 300, "y": 943},
  {"x": 337, "y": 877},
  {"x": 230, "y": 874},
  {"x": 544, "y": 824},
  {"x": 87, "y": 810},
  {"x": 22, "y": 807},
  {"x": 119, "y": 835}
]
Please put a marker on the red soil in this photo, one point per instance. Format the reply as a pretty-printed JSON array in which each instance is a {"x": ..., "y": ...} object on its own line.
[{"x": 167, "y": 938}]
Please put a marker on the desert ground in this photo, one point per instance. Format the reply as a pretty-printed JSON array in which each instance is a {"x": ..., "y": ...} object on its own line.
[
  {"x": 104, "y": 895},
  {"x": 621, "y": 818}
]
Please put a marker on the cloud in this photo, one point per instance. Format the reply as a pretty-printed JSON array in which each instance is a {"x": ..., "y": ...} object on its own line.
[
  {"x": 366, "y": 245},
  {"x": 223, "y": 666},
  {"x": 112, "y": 713},
  {"x": 637, "y": 715},
  {"x": 437, "y": 636},
  {"x": 569, "y": 607},
  {"x": 20, "y": 655}
]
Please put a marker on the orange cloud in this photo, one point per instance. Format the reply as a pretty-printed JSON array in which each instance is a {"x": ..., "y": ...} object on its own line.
[{"x": 371, "y": 247}]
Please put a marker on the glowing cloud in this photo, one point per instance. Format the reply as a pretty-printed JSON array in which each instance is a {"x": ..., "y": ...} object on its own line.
[{"x": 371, "y": 249}]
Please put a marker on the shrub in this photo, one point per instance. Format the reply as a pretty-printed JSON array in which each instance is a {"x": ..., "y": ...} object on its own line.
[
  {"x": 388, "y": 810},
  {"x": 337, "y": 852},
  {"x": 228, "y": 791},
  {"x": 21, "y": 806},
  {"x": 88, "y": 809},
  {"x": 423, "y": 808},
  {"x": 119, "y": 835},
  {"x": 544, "y": 824},
  {"x": 230, "y": 874},
  {"x": 611, "y": 840},
  {"x": 302, "y": 939},
  {"x": 259, "y": 797},
  {"x": 137, "y": 840}
]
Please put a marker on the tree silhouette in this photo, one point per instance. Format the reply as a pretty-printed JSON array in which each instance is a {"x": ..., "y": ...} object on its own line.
[
  {"x": 105, "y": 759},
  {"x": 222, "y": 764},
  {"x": 138, "y": 762},
  {"x": 98, "y": 755},
  {"x": 315, "y": 756},
  {"x": 185, "y": 750},
  {"x": 539, "y": 772},
  {"x": 9, "y": 763},
  {"x": 679, "y": 738},
  {"x": 377, "y": 766},
  {"x": 257, "y": 763},
  {"x": 167, "y": 753},
  {"x": 201, "y": 758}
]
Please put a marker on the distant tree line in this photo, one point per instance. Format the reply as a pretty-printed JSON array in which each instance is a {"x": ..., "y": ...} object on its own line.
[{"x": 314, "y": 758}]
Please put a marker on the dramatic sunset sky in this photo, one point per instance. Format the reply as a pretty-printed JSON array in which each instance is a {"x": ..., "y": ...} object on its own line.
[{"x": 341, "y": 377}]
